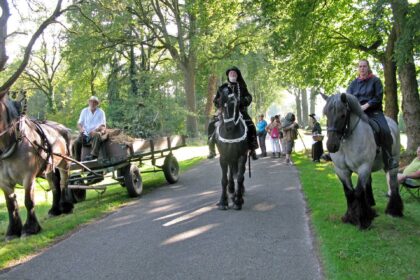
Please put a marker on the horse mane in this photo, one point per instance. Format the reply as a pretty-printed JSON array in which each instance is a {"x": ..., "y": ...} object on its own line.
[
  {"x": 352, "y": 102},
  {"x": 355, "y": 107}
]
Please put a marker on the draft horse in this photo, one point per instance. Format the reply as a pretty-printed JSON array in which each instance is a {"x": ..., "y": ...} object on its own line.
[
  {"x": 27, "y": 150},
  {"x": 351, "y": 142},
  {"x": 231, "y": 141}
]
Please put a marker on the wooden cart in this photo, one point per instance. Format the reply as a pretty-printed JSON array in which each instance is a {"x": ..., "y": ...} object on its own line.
[{"x": 121, "y": 162}]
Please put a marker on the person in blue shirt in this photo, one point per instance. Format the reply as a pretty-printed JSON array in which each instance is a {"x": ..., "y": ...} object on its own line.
[{"x": 262, "y": 133}]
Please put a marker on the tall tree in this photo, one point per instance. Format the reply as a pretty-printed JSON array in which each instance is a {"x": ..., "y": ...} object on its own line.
[
  {"x": 405, "y": 24},
  {"x": 4, "y": 5}
]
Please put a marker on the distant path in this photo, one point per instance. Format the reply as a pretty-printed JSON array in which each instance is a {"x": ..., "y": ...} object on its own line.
[{"x": 176, "y": 232}]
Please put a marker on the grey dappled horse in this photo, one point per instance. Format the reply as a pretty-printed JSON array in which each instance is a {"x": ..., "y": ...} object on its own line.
[
  {"x": 26, "y": 149},
  {"x": 353, "y": 148},
  {"x": 231, "y": 140}
]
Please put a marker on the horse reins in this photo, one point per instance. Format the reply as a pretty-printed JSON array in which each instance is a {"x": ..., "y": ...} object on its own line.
[{"x": 346, "y": 131}]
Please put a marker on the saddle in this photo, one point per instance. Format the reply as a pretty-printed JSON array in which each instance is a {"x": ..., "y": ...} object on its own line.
[{"x": 376, "y": 134}]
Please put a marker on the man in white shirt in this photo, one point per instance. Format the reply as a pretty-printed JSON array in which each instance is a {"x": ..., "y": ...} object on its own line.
[{"x": 92, "y": 126}]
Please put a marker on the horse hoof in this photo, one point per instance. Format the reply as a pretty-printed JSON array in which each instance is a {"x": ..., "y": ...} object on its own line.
[
  {"x": 9, "y": 238},
  {"x": 66, "y": 208},
  {"x": 31, "y": 230},
  {"x": 223, "y": 207},
  {"x": 237, "y": 207},
  {"x": 54, "y": 213}
]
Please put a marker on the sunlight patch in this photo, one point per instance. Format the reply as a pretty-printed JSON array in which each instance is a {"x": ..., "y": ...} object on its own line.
[
  {"x": 191, "y": 215},
  {"x": 188, "y": 234}
]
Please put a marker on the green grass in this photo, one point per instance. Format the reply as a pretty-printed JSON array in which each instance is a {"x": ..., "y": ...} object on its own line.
[
  {"x": 389, "y": 250},
  {"x": 94, "y": 207}
]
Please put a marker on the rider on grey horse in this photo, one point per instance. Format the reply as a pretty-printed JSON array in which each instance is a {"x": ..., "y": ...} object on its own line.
[
  {"x": 237, "y": 86},
  {"x": 367, "y": 88}
]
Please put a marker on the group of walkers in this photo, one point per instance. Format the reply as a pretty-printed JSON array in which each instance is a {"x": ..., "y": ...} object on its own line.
[{"x": 282, "y": 133}]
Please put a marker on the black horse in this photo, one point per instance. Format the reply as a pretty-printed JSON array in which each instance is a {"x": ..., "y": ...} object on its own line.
[{"x": 231, "y": 140}]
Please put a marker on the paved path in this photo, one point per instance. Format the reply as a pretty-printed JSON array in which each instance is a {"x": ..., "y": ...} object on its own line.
[{"x": 176, "y": 232}]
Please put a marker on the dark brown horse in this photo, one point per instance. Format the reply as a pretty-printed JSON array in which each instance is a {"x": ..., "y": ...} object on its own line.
[{"x": 27, "y": 151}]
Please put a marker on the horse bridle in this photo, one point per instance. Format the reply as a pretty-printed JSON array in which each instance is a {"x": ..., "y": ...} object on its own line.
[{"x": 346, "y": 130}]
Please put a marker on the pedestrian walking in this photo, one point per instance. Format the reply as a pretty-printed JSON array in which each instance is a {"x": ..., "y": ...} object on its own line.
[
  {"x": 290, "y": 128},
  {"x": 273, "y": 130},
  {"x": 262, "y": 133},
  {"x": 317, "y": 137}
]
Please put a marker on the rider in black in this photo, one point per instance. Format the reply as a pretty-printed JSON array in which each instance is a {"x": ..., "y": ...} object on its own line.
[
  {"x": 367, "y": 88},
  {"x": 237, "y": 85}
]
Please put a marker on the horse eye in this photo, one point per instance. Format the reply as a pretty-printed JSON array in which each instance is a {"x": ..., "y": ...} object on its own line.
[{"x": 343, "y": 116}]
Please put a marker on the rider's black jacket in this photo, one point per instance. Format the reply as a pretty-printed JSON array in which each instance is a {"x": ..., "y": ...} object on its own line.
[{"x": 368, "y": 90}]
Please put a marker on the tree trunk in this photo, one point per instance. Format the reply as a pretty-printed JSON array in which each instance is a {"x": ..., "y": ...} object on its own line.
[
  {"x": 312, "y": 101},
  {"x": 133, "y": 72},
  {"x": 211, "y": 91},
  {"x": 407, "y": 74},
  {"x": 51, "y": 102},
  {"x": 390, "y": 73},
  {"x": 304, "y": 100},
  {"x": 189, "y": 87},
  {"x": 298, "y": 106}
]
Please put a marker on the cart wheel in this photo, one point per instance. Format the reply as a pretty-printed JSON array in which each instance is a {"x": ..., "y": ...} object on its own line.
[
  {"x": 133, "y": 181},
  {"x": 77, "y": 195},
  {"x": 171, "y": 169}
]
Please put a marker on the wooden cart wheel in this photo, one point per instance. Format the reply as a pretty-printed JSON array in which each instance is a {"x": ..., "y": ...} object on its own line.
[
  {"x": 133, "y": 181},
  {"x": 77, "y": 195},
  {"x": 171, "y": 169}
]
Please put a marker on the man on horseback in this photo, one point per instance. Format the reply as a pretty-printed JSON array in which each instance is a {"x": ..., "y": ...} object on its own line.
[
  {"x": 92, "y": 126},
  {"x": 367, "y": 88},
  {"x": 236, "y": 85}
]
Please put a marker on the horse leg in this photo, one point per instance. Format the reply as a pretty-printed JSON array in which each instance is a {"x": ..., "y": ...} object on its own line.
[
  {"x": 345, "y": 178},
  {"x": 31, "y": 225},
  {"x": 223, "y": 203},
  {"x": 239, "y": 200},
  {"x": 231, "y": 181},
  {"x": 363, "y": 211},
  {"x": 14, "y": 229},
  {"x": 66, "y": 202},
  {"x": 56, "y": 191},
  {"x": 395, "y": 205},
  {"x": 369, "y": 192}
]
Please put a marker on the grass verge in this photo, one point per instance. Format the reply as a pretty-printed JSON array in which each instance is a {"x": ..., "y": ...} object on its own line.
[
  {"x": 94, "y": 207},
  {"x": 389, "y": 250}
]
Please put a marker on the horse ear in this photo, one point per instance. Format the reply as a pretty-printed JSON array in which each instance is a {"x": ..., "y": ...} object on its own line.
[
  {"x": 324, "y": 96},
  {"x": 343, "y": 98}
]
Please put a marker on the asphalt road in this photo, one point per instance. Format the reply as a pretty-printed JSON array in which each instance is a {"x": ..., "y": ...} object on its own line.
[{"x": 177, "y": 232}]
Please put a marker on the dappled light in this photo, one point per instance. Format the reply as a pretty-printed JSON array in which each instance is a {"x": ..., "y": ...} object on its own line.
[
  {"x": 189, "y": 234},
  {"x": 189, "y": 216}
]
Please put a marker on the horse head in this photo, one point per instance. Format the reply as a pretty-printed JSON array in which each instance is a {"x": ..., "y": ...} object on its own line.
[
  {"x": 230, "y": 109},
  {"x": 337, "y": 111},
  {"x": 9, "y": 110}
]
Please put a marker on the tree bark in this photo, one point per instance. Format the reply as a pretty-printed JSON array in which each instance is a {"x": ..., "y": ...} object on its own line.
[
  {"x": 211, "y": 91},
  {"x": 390, "y": 74},
  {"x": 312, "y": 101},
  {"x": 133, "y": 72},
  {"x": 3, "y": 32},
  {"x": 298, "y": 106},
  {"x": 304, "y": 100},
  {"x": 407, "y": 74}
]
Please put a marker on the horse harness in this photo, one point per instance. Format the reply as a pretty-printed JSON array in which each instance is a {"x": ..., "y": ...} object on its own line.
[
  {"x": 19, "y": 135},
  {"x": 346, "y": 130}
]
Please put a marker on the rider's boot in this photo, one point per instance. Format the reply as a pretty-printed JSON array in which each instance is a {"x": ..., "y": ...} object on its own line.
[
  {"x": 212, "y": 148},
  {"x": 389, "y": 161}
]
